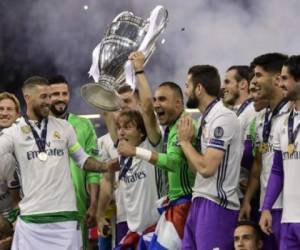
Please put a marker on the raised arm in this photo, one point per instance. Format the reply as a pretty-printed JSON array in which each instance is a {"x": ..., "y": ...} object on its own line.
[{"x": 146, "y": 98}]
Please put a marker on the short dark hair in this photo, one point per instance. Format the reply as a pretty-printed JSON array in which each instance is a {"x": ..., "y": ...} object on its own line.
[
  {"x": 34, "y": 81},
  {"x": 126, "y": 88},
  {"x": 175, "y": 88},
  {"x": 243, "y": 72},
  {"x": 293, "y": 65},
  {"x": 208, "y": 76},
  {"x": 57, "y": 79},
  {"x": 252, "y": 224},
  {"x": 271, "y": 62},
  {"x": 137, "y": 118}
]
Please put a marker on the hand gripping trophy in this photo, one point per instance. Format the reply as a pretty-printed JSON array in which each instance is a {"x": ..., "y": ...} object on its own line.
[{"x": 111, "y": 68}]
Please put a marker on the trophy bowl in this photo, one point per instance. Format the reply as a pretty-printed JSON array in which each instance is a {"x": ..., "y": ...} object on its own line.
[{"x": 126, "y": 34}]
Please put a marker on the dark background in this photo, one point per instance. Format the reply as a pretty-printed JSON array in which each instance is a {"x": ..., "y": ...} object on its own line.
[{"x": 46, "y": 37}]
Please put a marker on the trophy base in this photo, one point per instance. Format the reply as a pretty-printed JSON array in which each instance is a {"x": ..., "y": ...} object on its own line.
[{"x": 100, "y": 97}]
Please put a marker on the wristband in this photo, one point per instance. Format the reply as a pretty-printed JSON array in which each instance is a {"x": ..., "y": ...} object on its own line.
[
  {"x": 143, "y": 154},
  {"x": 139, "y": 72}
]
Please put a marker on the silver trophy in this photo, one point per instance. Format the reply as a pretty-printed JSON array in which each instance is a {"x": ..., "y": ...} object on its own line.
[{"x": 111, "y": 68}]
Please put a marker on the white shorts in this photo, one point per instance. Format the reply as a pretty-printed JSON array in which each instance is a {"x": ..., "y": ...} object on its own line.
[{"x": 48, "y": 236}]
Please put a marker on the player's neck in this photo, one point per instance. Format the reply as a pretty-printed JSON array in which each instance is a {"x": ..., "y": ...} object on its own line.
[
  {"x": 277, "y": 96},
  {"x": 205, "y": 102},
  {"x": 243, "y": 97},
  {"x": 297, "y": 105},
  {"x": 32, "y": 116}
]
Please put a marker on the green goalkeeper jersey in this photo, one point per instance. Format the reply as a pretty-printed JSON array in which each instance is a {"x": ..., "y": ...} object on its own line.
[
  {"x": 181, "y": 179},
  {"x": 86, "y": 137}
]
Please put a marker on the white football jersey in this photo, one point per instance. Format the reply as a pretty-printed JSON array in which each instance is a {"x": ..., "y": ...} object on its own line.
[
  {"x": 221, "y": 131},
  {"x": 291, "y": 164},
  {"x": 107, "y": 152},
  {"x": 245, "y": 119},
  {"x": 8, "y": 180},
  {"x": 46, "y": 185},
  {"x": 140, "y": 193},
  {"x": 267, "y": 157}
]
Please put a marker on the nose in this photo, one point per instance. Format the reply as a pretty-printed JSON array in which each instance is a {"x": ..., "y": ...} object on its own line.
[
  {"x": 4, "y": 111},
  {"x": 155, "y": 103}
]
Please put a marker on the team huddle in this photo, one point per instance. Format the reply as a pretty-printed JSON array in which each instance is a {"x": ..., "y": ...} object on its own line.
[{"x": 224, "y": 181}]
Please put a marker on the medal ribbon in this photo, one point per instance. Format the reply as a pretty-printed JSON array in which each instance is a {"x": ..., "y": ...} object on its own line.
[
  {"x": 40, "y": 141},
  {"x": 291, "y": 133},
  {"x": 244, "y": 106},
  {"x": 268, "y": 123},
  {"x": 207, "y": 110},
  {"x": 125, "y": 164}
]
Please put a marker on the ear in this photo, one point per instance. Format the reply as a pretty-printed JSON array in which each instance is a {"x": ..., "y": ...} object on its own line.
[
  {"x": 198, "y": 89},
  {"x": 277, "y": 79},
  {"x": 260, "y": 244},
  {"x": 243, "y": 85},
  {"x": 26, "y": 97}
]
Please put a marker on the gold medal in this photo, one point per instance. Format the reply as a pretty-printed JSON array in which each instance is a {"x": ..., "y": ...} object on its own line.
[
  {"x": 263, "y": 147},
  {"x": 43, "y": 156},
  {"x": 291, "y": 148}
]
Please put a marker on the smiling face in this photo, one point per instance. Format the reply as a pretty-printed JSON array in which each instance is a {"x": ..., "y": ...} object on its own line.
[
  {"x": 38, "y": 100},
  {"x": 127, "y": 129},
  {"x": 60, "y": 98},
  {"x": 8, "y": 112},
  {"x": 231, "y": 88},
  {"x": 167, "y": 105},
  {"x": 290, "y": 86},
  {"x": 264, "y": 82},
  {"x": 259, "y": 103}
]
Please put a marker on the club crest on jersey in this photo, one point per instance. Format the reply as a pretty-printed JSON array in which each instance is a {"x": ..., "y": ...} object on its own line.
[
  {"x": 56, "y": 135},
  {"x": 218, "y": 132},
  {"x": 26, "y": 129}
]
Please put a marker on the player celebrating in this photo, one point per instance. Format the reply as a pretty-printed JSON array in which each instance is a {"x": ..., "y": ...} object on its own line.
[
  {"x": 216, "y": 159},
  {"x": 285, "y": 170},
  {"x": 41, "y": 145},
  {"x": 86, "y": 137}
]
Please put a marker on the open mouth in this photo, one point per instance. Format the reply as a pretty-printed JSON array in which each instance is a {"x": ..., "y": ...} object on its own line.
[
  {"x": 123, "y": 139},
  {"x": 226, "y": 92},
  {"x": 4, "y": 119},
  {"x": 160, "y": 113}
]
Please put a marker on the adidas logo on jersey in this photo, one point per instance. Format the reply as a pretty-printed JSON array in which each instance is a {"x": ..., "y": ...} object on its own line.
[{"x": 28, "y": 138}]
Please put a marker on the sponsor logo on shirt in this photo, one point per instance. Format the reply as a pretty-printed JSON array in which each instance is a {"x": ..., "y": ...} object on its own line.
[
  {"x": 31, "y": 155},
  {"x": 293, "y": 156},
  {"x": 136, "y": 176}
]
